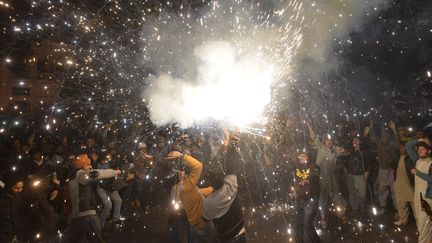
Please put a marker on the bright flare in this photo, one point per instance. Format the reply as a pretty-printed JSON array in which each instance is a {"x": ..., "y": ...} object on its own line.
[{"x": 232, "y": 87}]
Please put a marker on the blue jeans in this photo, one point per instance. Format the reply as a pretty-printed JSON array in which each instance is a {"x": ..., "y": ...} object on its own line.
[
  {"x": 108, "y": 198},
  {"x": 304, "y": 215},
  {"x": 178, "y": 227}
]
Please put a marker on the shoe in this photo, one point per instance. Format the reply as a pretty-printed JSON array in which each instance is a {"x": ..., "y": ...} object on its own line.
[{"x": 399, "y": 223}]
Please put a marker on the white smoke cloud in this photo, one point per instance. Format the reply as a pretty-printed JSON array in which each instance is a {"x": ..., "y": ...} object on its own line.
[
  {"x": 223, "y": 62},
  {"x": 233, "y": 87}
]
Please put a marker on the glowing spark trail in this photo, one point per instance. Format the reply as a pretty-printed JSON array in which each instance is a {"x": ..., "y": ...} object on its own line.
[{"x": 223, "y": 65}]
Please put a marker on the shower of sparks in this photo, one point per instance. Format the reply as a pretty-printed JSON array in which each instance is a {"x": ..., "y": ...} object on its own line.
[
  {"x": 102, "y": 56},
  {"x": 223, "y": 64}
]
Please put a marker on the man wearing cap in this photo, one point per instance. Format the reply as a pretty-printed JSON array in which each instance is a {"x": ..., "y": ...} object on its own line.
[
  {"x": 85, "y": 226},
  {"x": 422, "y": 187}
]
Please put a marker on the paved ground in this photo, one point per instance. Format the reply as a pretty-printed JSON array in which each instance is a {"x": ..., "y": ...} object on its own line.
[{"x": 271, "y": 224}]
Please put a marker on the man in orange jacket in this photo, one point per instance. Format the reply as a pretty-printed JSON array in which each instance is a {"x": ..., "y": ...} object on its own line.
[{"x": 191, "y": 197}]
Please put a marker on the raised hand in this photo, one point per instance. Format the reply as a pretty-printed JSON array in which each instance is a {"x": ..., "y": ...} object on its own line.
[
  {"x": 53, "y": 195},
  {"x": 392, "y": 125}
]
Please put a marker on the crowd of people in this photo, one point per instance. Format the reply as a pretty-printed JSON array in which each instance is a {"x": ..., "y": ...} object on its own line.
[{"x": 72, "y": 184}]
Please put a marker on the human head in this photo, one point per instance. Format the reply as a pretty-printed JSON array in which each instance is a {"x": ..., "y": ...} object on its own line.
[
  {"x": 17, "y": 188},
  {"x": 303, "y": 157},
  {"x": 419, "y": 134},
  {"x": 188, "y": 142},
  {"x": 94, "y": 156},
  {"x": 90, "y": 142},
  {"x": 384, "y": 138},
  {"x": 356, "y": 143},
  {"x": 423, "y": 150},
  {"x": 216, "y": 177},
  {"x": 328, "y": 141},
  {"x": 83, "y": 162},
  {"x": 37, "y": 156},
  {"x": 142, "y": 147},
  {"x": 181, "y": 174},
  {"x": 14, "y": 184}
]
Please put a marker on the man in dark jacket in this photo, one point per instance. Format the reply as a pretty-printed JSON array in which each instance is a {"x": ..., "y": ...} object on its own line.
[
  {"x": 43, "y": 188},
  {"x": 358, "y": 171},
  {"x": 10, "y": 218},
  {"x": 222, "y": 205},
  {"x": 306, "y": 187}
]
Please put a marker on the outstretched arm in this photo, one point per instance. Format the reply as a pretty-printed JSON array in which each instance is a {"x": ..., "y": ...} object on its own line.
[{"x": 85, "y": 177}]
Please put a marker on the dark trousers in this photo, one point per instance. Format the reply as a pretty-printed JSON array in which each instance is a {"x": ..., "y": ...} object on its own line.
[
  {"x": 180, "y": 230},
  {"x": 86, "y": 229},
  {"x": 142, "y": 190},
  {"x": 208, "y": 235},
  {"x": 304, "y": 214}
]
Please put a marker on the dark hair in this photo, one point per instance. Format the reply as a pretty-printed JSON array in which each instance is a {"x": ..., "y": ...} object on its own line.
[
  {"x": 11, "y": 180},
  {"x": 216, "y": 179},
  {"x": 424, "y": 145},
  {"x": 305, "y": 151}
]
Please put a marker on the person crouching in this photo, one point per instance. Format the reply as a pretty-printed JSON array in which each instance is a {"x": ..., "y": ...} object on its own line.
[{"x": 222, "y": 206}]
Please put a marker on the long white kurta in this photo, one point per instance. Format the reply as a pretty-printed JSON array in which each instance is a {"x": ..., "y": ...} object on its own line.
[
  {"x": 424, "y": 223},
  {"x": 403, "y": 190}
]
